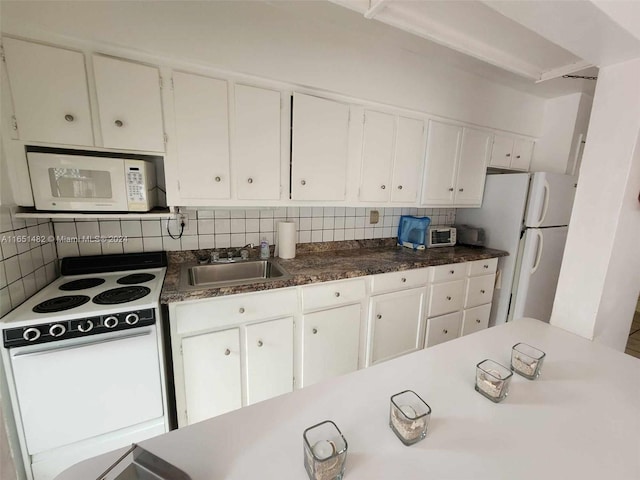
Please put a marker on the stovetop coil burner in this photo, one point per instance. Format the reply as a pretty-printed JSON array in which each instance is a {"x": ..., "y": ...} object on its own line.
[
  {"x": 58, "y": 304},
  {"x": 136, "y": 278},
  {"x": 81, "y": 284},
  {"x": 121, "y": 295}
]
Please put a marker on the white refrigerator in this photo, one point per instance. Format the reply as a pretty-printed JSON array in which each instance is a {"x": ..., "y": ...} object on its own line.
[{"x": 528, "y": 216}]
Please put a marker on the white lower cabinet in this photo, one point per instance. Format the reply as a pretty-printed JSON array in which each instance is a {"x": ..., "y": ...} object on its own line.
[
  {"x": 443, "y": 328},
  {"x": 330, "y": 343},
  {"x": 475, "y": 319},
  {"x": 212, "y": 381},
  {"x": 397, "y": 324}
]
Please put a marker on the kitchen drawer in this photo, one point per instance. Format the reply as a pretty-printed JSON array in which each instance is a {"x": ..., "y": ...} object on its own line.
[
  {"x": 449, "y": 272},
  {"x": 442, "y": 329},
  {"x": 479, "y": 290},
  {"x": 389, "y": 282},
  {"x": 234, "y": 309},
  {"x": 446, "y": 297},
  {"x": 475, "y": 319},
  {"x": 483, "y": 267},
  {"x": 327, "y": 295}
]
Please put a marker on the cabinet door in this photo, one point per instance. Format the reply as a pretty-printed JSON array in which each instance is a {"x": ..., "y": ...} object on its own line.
[
  {"x": 472, "y": 167},
  {"x": 501, "y": 153},
  {"x": 377, "y": 156},
  {"x": 320, "y": 148},
  {"x": 50, "y": 95},
  {"x": 129, "y": 104},
  {"x": 269, "y": 359},
  {"x": 202, "y": 136},
  {"x": 211, "y": 365},
  {"x": 442, "y": 329},
  {"x": 522, "y": 153},
  {"x": 409, "y": 156},
  {"x": 330, "y": 343},
  {"x": 442, "y": 153},
  {"x": 397, "y": 324},
  {"x": 256, "y": 150}
]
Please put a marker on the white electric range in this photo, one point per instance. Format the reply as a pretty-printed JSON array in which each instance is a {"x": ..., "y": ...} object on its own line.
[{"x": 84, "y": 361}]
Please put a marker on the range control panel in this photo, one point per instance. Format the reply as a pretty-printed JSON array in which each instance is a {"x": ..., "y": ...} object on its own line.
[{"x": 62, "y": 330}]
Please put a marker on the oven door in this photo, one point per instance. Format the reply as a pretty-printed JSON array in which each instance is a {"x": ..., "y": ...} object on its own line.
[
  {"x": 80, "y": 388},
  {"x": 75, "y": 182}
]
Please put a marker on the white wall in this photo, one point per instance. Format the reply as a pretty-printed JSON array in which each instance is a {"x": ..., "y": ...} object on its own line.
[
  {"x": 600, "y": 276},
  {"x": 564, "y": 119},
  {"x": 313, "y": 44}
]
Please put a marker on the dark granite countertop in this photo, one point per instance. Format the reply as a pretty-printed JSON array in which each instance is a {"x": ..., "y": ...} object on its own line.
[{"x": 323, "y": 262}]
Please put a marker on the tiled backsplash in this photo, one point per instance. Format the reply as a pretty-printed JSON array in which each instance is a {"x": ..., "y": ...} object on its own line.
[
  {"x": 217, "y": 228},
  {"x": 27, "y": 258}
]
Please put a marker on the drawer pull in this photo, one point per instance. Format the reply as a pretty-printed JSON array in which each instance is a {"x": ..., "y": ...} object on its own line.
[
  {"x": 448, "y": 298},
  {"x": 445, "y": 331},
  {"x": 260, "y": 341},
  {"x": 314, "y": 331},
  {"x": 452, "y": 272},
  {"x": 118, "y": 123},
  {"x": 482, "y": 291},
  {"x": 477, "y": 320},
  {"x": 69, "y": 118},
  {"x": 241, "y": 310},
  {"x": 403, "y": 280},
  {"x": 378, "y": 316},
  {"x": 227, "y": 352},
  {"x": 337, "y": 294},
  {"x": 486, "y": 266},
  {"x": 218, "y": 179}
]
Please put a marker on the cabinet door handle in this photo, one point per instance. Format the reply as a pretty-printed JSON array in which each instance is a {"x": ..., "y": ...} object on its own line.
[
  {"x": 486, "y": 266},
  {"x": 448, "y": 298},
  {"x": 241, "y": 310},
  {"x": 303, "y": 182},
  {"x": 249, "y": 180},
  {"x": 383, "y": 187},
  {"x": 227, "y": 352},
  {"x": 445, "y": 331},
  {"x": 452, "y": 272},
  {"x": 260, "y": 341},
  {"x": 481, "y": 291},
  {"x": 403, "y": 280},
  {"x": 477, "y": 320},
  {"x": 461, "y": 189},
  {"x": 314, "y": 331},
  {"x": 69, "y": 118},
  {"x": 508, "y": 154},
  {"x": 517, "y": 156},
  {"x": 378, "y": 316},
  {"x": 337, "y": 294},
  {"x": 217, "y": 179},
  {"x": 118, "y": 123},
  {"x": 451, "y": 189},
  {"x": 399, "y": 187}
]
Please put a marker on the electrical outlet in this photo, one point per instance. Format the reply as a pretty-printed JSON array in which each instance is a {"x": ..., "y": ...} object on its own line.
[
  {"x": 183, "y": 217},
  {"x": 374, "y": 217},
  {"x": 451, "y": 217}
]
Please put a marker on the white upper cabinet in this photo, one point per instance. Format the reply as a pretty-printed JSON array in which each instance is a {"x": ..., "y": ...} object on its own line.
[
  {"x": 392, "y": 152},
  {"x": 202, "y": 136},
  {"x": 511, "y": 153},
  {"x": 443, "y": 144},
  {"x": 50, "y": 94},
  {"x": 407, "y": 164},
  {"x": 129, "y": 104},
  {"x": 256, "y": 148},
  {"x": 472, "y": 167},
  {"x": 320, "y": 149}
]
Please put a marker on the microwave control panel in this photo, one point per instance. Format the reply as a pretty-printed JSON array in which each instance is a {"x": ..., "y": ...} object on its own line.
[{"x": 139, "y": 179}]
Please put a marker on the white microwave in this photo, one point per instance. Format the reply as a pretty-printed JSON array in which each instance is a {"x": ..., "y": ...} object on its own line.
[
  {"x": 441, "y": 236},
  {"x": 79, "y": 180}
]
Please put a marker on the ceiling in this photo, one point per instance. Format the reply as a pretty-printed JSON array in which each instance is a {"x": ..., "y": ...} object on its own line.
[{"x": 536, "y": 41}]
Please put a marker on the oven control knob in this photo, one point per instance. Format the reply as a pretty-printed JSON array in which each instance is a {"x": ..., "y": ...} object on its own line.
[
  {"x": 132, "y": 318},
  {"x": 110, "y": 322},
  {"x": 57, "y": 330},
  {"x": 85, "y": 326},
  {"x": 31, "y": 334}
]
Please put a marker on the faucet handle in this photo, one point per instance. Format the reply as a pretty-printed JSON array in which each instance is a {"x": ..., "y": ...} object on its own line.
[{"x": 215, "y": 257}]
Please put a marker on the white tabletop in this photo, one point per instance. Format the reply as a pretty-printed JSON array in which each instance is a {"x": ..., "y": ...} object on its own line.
[{"x": 579, "y": 420}]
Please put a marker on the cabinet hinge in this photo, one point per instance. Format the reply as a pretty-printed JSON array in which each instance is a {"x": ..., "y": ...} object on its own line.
[
  {"x": 181, "y": 354},
  {"x": 14, "y": 123},
  {"x": 294, "y": 383},
  {"x": 165, "y": 137},
  {"x": 172, "y": 84},
  {"x": 179, "y": 190},
  {"x": 364, "y": 118},
  {"x": 161, "y": 83},
  {"x": 2, "y": 54},
  {"x": 186, "y": 417}
]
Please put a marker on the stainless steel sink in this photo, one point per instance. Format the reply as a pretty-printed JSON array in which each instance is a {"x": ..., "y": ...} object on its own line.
[{"x": 232, "y": 273}]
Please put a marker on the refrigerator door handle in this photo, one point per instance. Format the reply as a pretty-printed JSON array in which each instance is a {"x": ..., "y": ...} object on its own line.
[
  {"x": 536, "y": 264},
  {"x": 545, "y": 204}
]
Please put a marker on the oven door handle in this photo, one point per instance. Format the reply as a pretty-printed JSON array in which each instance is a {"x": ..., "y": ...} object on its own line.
[{"x": 54, "y": 346}]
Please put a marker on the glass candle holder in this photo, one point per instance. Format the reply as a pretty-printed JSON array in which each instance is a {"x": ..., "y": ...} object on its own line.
[
  {"x": 527, "y": 360},
  {"x": 409, "y": 417},
  {"x": 492, "y": 380},
  {"x": 325, "y": 451}
]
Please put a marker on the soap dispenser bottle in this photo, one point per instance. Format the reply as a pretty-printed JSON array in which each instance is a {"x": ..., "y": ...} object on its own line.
[{"x": 264, "y": 249}]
